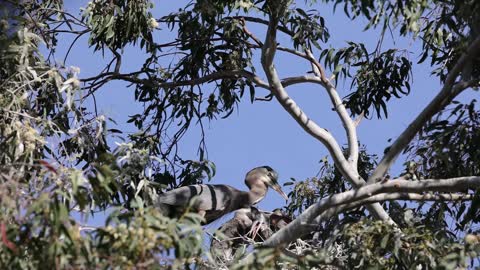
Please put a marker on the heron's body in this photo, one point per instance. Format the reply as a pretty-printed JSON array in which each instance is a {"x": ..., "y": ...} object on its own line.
[{"x": 214, "y": 201}]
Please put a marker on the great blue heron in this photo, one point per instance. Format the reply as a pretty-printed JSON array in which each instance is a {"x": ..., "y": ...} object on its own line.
[{"x": 214, "y": 201}]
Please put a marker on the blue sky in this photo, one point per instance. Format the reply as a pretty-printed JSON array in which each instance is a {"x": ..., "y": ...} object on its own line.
[{"x": 263, "y": 133}]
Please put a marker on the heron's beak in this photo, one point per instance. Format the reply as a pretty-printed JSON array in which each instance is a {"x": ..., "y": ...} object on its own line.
[{"x": 278, "y": 189}]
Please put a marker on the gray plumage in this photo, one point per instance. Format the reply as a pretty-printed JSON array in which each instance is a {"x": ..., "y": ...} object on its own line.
[{"x": 214, "y": 201}]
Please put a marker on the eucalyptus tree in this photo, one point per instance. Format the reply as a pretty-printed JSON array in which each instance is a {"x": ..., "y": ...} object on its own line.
[{"x": 57, "y": 158}]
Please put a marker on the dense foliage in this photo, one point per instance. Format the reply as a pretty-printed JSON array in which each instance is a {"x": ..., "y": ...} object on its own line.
[{"x": 58, "y": 165}]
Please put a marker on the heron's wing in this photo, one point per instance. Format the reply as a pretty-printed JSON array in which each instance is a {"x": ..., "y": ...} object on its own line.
[
  {"x": 221, "y": 196},
  {"x": 215, "y": 200},
  {"x": 180, "y": 196},
  {"x": 166, "y": 209},
  {"x": 223, "y": 199},
  {"x": 212, "y": 215}
]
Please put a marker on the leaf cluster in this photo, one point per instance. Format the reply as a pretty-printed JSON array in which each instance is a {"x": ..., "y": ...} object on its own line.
[
  {"x": 376, "y": 76},
  {"x": 449, "y": 145},
  {"x": 305, "y": 27},
  {"x": 114, "y": 24},
  {"x": 379, "y": 246},
  {"x": 444, "y": 27}
]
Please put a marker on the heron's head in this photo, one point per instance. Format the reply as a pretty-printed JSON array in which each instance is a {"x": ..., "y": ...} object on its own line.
[{"x": 265, "y": 175}]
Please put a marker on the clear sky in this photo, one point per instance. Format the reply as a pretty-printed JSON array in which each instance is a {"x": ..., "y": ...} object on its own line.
[{"x": 263, "y": 133}]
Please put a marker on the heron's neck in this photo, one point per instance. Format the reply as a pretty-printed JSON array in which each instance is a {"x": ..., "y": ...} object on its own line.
[{"x": 257, "y": 193}]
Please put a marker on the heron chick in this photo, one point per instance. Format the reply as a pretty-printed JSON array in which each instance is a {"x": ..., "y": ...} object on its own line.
[{"x": 248, "y": 225}]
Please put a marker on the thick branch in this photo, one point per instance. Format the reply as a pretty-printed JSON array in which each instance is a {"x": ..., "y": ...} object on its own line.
[
  {"x": 321, "y": 134},
  {"x": 305, "y": 228},
  {"x": 449, "y": 91},
  {"x": 391, "y": 190},
  {"x": 382, "y": 197}
]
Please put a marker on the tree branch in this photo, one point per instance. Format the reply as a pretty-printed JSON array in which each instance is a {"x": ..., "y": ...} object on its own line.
[
  {"x": 347, "y": 122},
  {"x": 359, "y": 119},
  {"x": 133, "y": 78},
  {"x": 449, "y": 91},
  {"x": 228, "y": 74},
  {"x": 292, "y": 51},
  {"x": 398, "y": 189},
  {"x": 118, "y": 62},
  {"x": 264, "y": 22},
  {"x": 321, "y": 134},
  {"x": 250, "y": 34},
  {"x": 299, "y": 79}
]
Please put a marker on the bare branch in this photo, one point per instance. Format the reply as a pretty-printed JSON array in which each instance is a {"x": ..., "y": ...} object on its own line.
[
  {"x": 264, "y": 22},
  {"x": 417, "y": 197},
  {"x": 292, "y": 51},
  {"x": 317, "y": 68},
  {"x": 250, "y": 34},
  {"x": 118, "y": 59},
  {"x": 449, "y": 91},
  {"x": 390, "y": 190},
  {"x": 79, "y": 35},
  {"x": 347, "y": 122},
  {"x": 359, "y": 119},
  {"x": 87, "y": 228},
  {"x": 300, "y": 79}
]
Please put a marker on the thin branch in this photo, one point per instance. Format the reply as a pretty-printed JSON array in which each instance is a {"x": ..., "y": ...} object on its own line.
[
  {"x": 264, "y": 22},
  {"x": 317, "y": 68},
  {"x": 72, "y": 44},
  {"x": 390, "y": 190},
  {"x": 107, "y": 75},
  {"x": 292, "y": 51},
  {"x": 347, "y": 122},
  {"x": 449, "y": 91},
  {"x": 321, "y": 134},
  {"x": 265, "y": 98},
  {"x": 359, "y": 119},
  {"x": 118, "y": 60},
  {"x": 87, "y": 228},
  {"x": 228, "y": 74},
  {"x": 250, "y": 34},
  {"x": 65, "y": 14}
]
